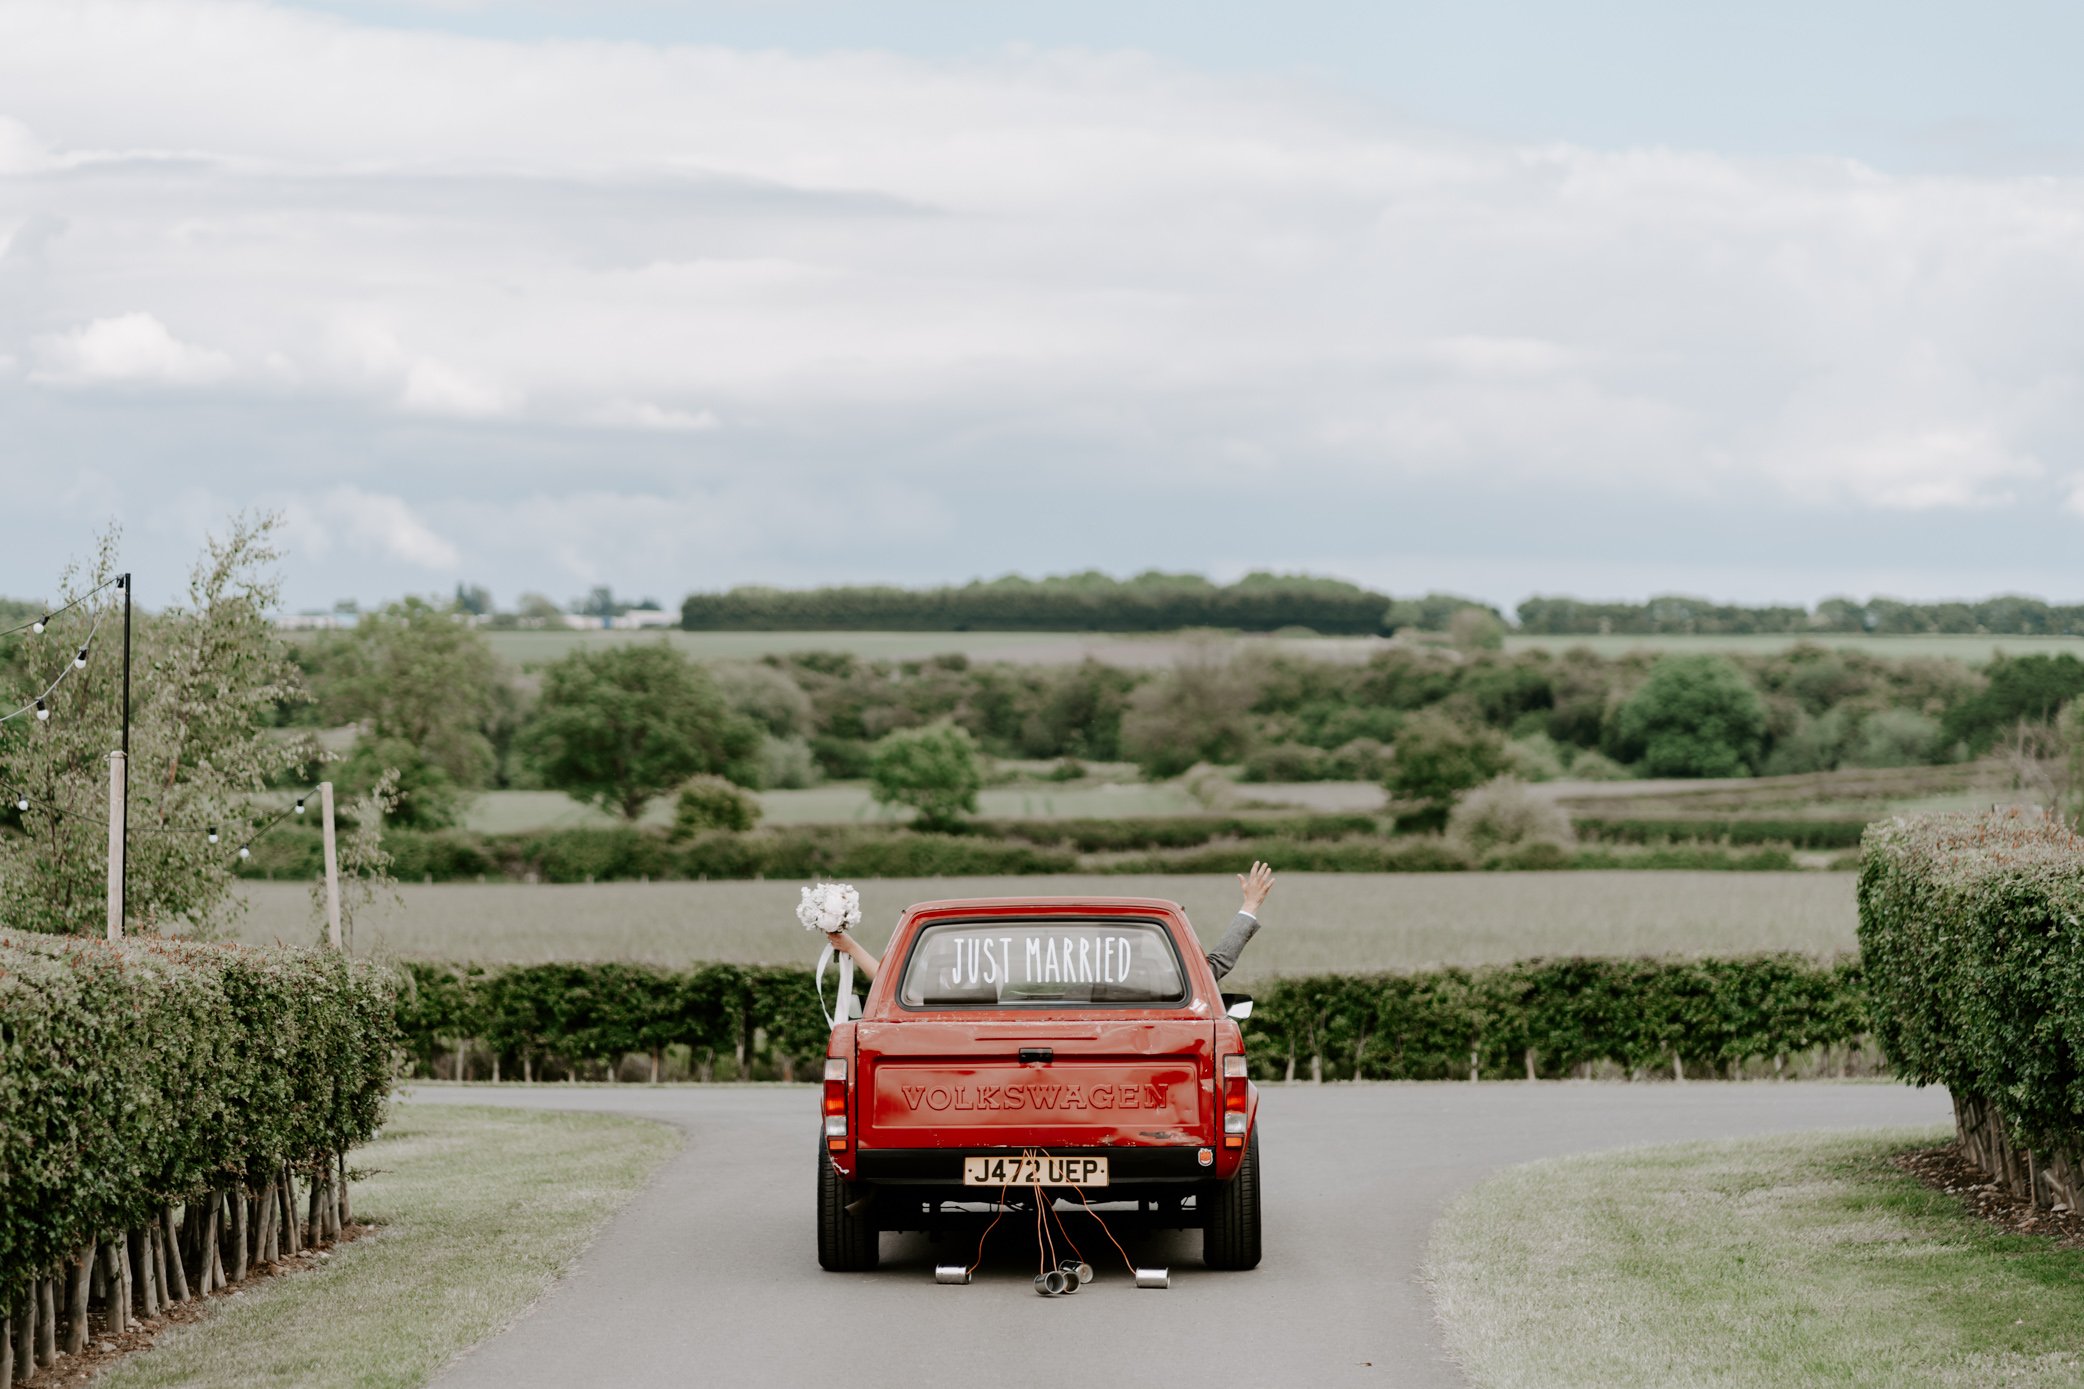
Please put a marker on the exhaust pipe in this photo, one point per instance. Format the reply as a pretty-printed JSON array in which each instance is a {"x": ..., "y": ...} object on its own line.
[
  {"x": 1052, "y": 1283},
  {"x": 950, "y": 1273},
  {"x": 1153, "y": 1278},
  {"x": 1083, "y": 1272}
]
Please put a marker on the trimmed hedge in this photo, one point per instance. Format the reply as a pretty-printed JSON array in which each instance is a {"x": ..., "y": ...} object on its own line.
[
  {"x": 1793, "y": 833},
  {"x": 140, "y": 1076},
  {"x": 1539, "y": 1017},
  {"x": 1552, "y": 1018},
  {"x": 1973, "y": 930}
]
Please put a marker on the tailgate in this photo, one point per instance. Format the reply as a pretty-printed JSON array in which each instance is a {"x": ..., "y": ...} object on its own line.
[{"x": 1127, "y": 1084}]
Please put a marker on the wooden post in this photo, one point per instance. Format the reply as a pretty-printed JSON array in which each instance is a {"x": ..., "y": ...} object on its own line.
[
  {"x": 325, "y": 806},
  {"x": 116, "y": 784}
]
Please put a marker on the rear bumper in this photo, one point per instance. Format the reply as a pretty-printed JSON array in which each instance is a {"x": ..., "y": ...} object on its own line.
[{"x": 1136, "y": 1168}]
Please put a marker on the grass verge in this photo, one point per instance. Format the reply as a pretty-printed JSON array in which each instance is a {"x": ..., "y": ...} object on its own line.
[
  {"x": 480, "y": 1210},
  {"x": 1792, "y": 1260}
]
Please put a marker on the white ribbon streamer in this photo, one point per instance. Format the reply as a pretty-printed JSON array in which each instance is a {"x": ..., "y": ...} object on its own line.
[{"x": 843, "y": 1005}]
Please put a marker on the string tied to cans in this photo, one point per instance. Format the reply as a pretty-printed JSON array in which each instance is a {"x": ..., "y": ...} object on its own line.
[{"x": 1057, "y": 1275}]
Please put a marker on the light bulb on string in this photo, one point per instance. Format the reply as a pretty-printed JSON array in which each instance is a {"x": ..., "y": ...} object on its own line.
[
  {"x": 79, "y": 662},
  {"x": 245, "y": 851},
  {"x": 40, "y": 623},
  {"x": 300, "y": 805},
  {"x": 21, "y": 802},
  {"x": 213, "y": 834},
  {"x": 43, "y": 713}
]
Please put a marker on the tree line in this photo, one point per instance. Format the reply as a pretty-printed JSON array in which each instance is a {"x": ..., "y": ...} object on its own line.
[
  {"x": 620, "y": 726},
  {"x": 1087, "y": 602},
  {"x": 1264, "y": 602}
]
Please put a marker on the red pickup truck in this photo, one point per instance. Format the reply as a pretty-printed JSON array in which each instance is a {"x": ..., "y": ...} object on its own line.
[{"x": 1079, "y": 1044}]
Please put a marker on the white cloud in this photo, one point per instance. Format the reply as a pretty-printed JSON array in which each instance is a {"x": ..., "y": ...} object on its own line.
[
  {"x": 130, "y": 348},
  {"x": 350, "y": 519},
  {"x": 1070, "y": 271},
  {"x": 643, "y": 414}
]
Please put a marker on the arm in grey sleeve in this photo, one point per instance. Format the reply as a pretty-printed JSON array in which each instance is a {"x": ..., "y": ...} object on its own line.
[{"x": 1223, "y": 958}]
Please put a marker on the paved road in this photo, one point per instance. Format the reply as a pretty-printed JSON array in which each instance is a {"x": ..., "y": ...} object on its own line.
[{"x": 711, "y": 1276}]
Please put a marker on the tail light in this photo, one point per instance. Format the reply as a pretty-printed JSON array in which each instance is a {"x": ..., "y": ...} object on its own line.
[
  {"x": 1234, "y": 1100},
  {"x": 835, "y": 1102}
]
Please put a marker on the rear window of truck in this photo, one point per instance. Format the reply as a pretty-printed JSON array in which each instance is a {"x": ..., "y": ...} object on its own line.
[{"x": 1042, "y": 963}]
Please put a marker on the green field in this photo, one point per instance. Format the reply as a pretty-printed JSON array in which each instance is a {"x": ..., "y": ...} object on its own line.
[
  {"x": 1770, "y": 1262},
  {"x": 1155, "y": 649},
  {"x": 1315, "y": 921},
  {"x": 1132, "y": 649}
]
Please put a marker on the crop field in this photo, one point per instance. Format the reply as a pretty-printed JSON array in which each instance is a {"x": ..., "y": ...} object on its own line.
[
  {"x": 1315, "y": 921},
  {"x": 1136, "y": 650},
  {"x": 1140, "y": 650}
]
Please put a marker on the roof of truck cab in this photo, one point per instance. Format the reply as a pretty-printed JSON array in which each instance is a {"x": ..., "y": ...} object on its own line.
[{"x": 1098, "y": 906}]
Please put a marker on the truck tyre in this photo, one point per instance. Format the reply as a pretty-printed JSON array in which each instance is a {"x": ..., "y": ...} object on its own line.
[
  {"x": 1230, "y": 1230},
  {"x": 847, "y": 1243}
]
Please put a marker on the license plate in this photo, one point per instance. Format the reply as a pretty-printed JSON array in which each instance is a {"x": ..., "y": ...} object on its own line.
[{"x": 1033, "y": 1171}]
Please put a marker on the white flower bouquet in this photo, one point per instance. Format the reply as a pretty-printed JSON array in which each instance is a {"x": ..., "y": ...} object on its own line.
[{"x": 829, "y": 907}]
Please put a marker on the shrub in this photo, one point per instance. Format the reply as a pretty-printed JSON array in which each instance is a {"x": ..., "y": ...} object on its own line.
[
  {"x": 1503, "y": 814},
  {"x": 786, "y": 764},
  {"x": 1895, "y": 738},
  {"x": 1591, "y": 764},
  {"x": 711, "y": 803},
  {"x": 1696, "y": 716},
  {"x": 1969, "y": 925},
  {"x": 1534, "y": 757}
]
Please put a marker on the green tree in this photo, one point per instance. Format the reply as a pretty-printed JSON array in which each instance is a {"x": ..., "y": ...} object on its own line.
[
  {"x": 1695, "y": 716},
  {"x": 420, "y": 674},
  {"x": 1438, "y": 758},
  {"x": 207, "y": 675},
  {"x": 420, "y": 793},
  {"x": 712, "y": 803},
  {"x": 623, "y": 724},
  {"x": 934, "y": 770},
  {"x": 2025, "y": 689}
]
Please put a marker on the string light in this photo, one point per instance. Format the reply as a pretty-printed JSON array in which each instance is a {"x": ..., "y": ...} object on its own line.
[
  {"x": 21, "y": 803},
  {"x": 41, "y": 708},
  {"x": 37, "y": 625},
  {"x": 300, "y": 805},
  {"x": 245, "y": 851},
  {"x": 213, "y": 834}
]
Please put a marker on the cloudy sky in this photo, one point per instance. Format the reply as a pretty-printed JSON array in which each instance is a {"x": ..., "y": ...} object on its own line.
[{"x": 1601, "y": 298}]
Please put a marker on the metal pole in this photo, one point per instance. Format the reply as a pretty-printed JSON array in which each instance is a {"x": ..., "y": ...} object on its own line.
[
  {"x": 118, "y": 776},
  {"x": 325, "y": 805},
  {"x": 123, "y": 890}
]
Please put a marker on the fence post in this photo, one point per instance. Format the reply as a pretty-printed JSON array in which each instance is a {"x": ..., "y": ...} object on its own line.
[
  {"x": 116, "y": 845},
  {"x": 325, "y": 805}
]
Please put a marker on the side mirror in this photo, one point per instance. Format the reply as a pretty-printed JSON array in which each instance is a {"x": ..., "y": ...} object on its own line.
[{"x": 1238, "y": 1006}]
